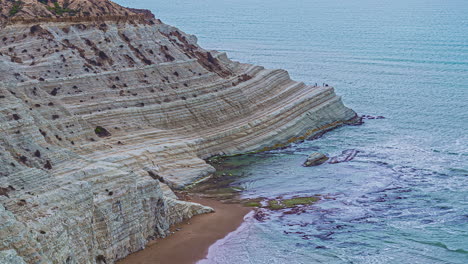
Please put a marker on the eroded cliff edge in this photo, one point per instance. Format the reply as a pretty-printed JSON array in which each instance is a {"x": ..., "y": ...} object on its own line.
[{"x": 102, "y": 111}]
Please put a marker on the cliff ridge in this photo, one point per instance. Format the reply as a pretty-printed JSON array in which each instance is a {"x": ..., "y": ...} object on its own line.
[{"x": 104, "y": 112}]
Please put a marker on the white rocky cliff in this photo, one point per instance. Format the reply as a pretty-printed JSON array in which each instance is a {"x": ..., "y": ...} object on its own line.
[{"x": 104, "y": 109}]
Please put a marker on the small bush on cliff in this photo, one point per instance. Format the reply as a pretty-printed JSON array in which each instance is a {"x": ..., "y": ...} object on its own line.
[
  {"x": 103, "y": 55},
  {"x": 58, "y": 10},
  {"x": 101, "y": 132},
  {"x": 17, "y": 6},
  {"x": 35, "y": 28}
]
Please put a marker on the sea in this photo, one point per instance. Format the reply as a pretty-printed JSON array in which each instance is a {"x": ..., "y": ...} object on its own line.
[{"x": 404, "y": 197}]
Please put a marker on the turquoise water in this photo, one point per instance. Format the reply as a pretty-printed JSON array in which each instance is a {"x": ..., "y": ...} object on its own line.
[{"x": 404, "y": 198}]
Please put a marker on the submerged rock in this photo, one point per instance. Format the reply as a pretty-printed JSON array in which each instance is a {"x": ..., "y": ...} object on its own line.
[
  {"x": 315, "y": 159},
  {"x": 346, "y": 155},
  {"x": 253, "y": 202},
  {"x": 260, "y": 215},
  {"x": 372, "y": 117},
  {"x": 278, "y": 204}
]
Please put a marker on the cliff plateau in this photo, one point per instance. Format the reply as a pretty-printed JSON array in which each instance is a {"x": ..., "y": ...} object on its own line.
[{"x": 104, "y": 110}]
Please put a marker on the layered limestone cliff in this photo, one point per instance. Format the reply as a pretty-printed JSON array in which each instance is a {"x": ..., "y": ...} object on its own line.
[{"x": 104, "y": 110}]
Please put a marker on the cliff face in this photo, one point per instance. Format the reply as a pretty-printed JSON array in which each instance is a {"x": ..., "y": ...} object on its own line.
[
  {"x": 32, "y": 9},
  {"x": 101, "y": 113}
]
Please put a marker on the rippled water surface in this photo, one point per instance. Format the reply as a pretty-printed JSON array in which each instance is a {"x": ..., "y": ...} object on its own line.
[{"x": 404, "y": 198}]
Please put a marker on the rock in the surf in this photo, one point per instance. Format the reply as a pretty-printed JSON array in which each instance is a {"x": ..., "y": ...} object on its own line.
[
  {"x": 315, "y": 159},
  {"x": 346, "y": 155}
]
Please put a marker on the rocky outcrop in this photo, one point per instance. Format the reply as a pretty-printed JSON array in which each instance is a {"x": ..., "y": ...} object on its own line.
[
  {"x": 315, "y": 159},
  {"x": 10, "y": 257},
  {"x": 100, "y": 116},
  {"x": 346, "y": 155},
  {"x": 33, "y": 9}
]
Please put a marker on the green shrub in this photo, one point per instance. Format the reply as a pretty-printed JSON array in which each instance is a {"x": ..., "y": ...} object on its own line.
[
  {"x": 101, "y": 132},
  {"x": 290, "y": 203},
  {"x": 17, "y": 6},
  {"x": 58, "y": 10}
]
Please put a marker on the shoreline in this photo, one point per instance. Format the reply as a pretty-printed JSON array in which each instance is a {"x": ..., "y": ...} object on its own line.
[{"x": 190, "y": 240}]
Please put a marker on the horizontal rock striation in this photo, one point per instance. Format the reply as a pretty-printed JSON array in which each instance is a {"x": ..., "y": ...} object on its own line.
[
  {"x": 34, "y": 9},
  {"x": 101, "y": 118}
]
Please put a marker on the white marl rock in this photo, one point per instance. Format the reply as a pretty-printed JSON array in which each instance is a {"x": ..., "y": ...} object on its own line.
[{"x": 70, "y": 196}]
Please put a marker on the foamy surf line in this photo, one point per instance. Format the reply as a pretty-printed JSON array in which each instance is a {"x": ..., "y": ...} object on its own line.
[{"x": 239, "y": 233}]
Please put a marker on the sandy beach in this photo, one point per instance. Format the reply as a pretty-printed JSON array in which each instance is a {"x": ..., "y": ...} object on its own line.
[{"x": 191, "y": 239}]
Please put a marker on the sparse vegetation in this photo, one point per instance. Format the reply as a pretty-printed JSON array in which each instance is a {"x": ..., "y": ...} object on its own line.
[
  {"x": 275, "y": 205},
  {"x": 279, "y": 204},
  {"x": 17, "y": 6},
  {"x": 101, "y": 132},
  {"x": 103, "y": 55},
  {"x": 253, "y": 203},
  {"x": 48, "y": 165},
  {"x": 23, "y": 159},
  {"x": 299, "y": 201},
  {"x": 59, "y": 10},
  {"x": 54, "y": 91},
  {"x": 34, "y": 29}
]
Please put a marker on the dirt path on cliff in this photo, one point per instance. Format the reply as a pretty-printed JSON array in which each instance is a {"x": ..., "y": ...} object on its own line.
[{"x": 193, "y": 237}]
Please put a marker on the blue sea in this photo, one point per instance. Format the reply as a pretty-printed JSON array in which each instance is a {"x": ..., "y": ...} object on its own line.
[{"x": 404, "y": 198}]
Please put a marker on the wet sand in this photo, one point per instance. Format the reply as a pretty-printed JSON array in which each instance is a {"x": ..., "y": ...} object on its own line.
[{"x": 190, "y": 244}]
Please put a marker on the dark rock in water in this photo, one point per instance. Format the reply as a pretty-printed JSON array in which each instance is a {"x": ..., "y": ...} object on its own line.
[
  {"x": 372, "y": 117},
  {"x": 260, "y": 215},
  {"x": 315, "y": 159},
  {"x": 358, "y": 121},
  {"x": 295, "y": 210},
  {"x": 346, "y": 155},
  {"x": 325, "y": 236}
]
